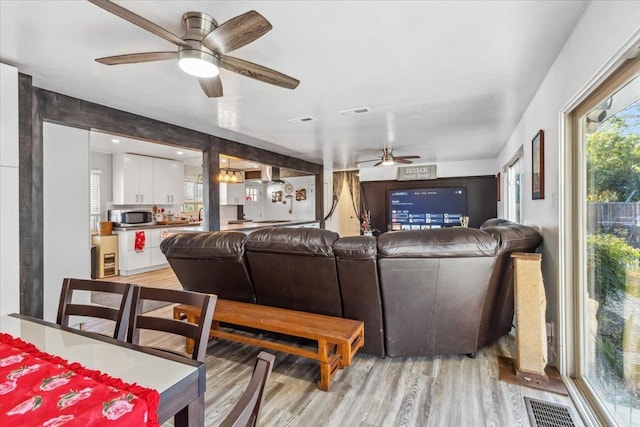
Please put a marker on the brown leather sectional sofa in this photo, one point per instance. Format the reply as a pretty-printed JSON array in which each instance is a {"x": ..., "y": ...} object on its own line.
[{"x": 419, "y": 292}]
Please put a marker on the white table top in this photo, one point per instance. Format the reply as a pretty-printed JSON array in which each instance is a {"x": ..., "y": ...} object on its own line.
[{"x": 127, "y": 364}]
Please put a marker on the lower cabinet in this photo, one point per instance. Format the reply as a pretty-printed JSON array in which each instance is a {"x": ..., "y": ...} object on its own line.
[{"x": 140, "y": 260}]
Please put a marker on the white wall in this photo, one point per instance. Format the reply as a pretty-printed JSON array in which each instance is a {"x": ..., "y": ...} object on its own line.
[
  {"x": 9, "y": 237},
  {"x": 66, "y": 236},
  {"x": 293, "y": 210},
  {"x": 444, "y": 170},
  {"x": 599, "y": 35}
]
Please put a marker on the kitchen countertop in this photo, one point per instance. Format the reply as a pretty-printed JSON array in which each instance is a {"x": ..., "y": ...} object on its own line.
[
  {"x": 141, "y": 227},
  {"x": 263, "y": 224},
  {"x": 197, "y": 227}
]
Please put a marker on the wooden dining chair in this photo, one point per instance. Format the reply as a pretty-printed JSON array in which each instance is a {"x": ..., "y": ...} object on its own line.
[
  {"x": 198, "y": 332},
  {"x": 246, "y": 413},
  {"x": 120, "y": 315}
]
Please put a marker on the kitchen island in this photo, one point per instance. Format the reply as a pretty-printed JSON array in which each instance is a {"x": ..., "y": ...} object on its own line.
[{"x": 135, "y": 258}]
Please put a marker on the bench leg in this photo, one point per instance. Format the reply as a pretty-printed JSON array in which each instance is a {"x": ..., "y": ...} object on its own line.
[
  {"x": 349, "y": 348},
  {"x": 345, "y": 355},
  {"x": 329, "y": 364},
  {"x": 325, "y": 368},
  {"x": 178, "y": 315}
]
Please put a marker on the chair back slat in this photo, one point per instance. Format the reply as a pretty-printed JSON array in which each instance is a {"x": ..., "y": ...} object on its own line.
[
  {"x": 121, "y": 316},
  {"x": 162, "y": 324},
  {"x": 246, "y": 413},
  {"x": 198, "y": 332},
  {"x": 92, "y": 311}
]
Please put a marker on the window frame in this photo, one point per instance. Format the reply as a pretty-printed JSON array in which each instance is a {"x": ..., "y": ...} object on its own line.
[
  {"x": 573, "y": 215},
  {"x": 517, "y": 157},
  {"x": 97, "y": 216}
]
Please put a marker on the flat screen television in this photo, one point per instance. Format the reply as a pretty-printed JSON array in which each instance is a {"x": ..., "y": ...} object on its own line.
[{"x": 423, "y": 208}]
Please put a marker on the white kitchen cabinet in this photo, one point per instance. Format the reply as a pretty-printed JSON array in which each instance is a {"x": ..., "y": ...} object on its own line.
[
  {"x": 132, "y": 179},
  {"x": 168, "y": 182},
  {"x": 149, "y": 258},
  {"x": 141, "y": 180},
  {"x": 232, "y": 194}
]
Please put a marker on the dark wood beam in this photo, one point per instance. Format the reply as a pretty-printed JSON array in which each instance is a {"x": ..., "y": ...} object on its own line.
[
  {"x": 39, "y": 105},
  {"x": 259, "y": 155},
  {"x": 30, "y": 200},
  {"x": 69, "y": 111},
  {"x": 211, "y": 200}
]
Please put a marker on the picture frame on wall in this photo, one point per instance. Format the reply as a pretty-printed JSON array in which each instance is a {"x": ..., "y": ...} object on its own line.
[{"x": 537, "y": 166}]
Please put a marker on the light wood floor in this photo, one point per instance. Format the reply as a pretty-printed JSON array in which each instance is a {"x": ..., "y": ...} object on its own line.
[{"x": 440, "y": 391}]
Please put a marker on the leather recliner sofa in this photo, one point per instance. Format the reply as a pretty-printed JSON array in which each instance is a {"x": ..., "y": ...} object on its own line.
[{"x": 419, "y": 292}]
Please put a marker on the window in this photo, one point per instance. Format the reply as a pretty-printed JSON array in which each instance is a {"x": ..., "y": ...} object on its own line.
[
  {"x": 251, "y": 194},
  {"x": 94, "y": 197},
  {"x": 513, "y": 175},
  {"x": 193, "y": 194},
  {"x": 606, "y": 267}
]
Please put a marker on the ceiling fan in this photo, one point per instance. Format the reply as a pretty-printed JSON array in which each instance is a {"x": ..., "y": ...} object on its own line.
[
  {"x": 388, "y": 159},
  {"x": 203, "y": 47}
]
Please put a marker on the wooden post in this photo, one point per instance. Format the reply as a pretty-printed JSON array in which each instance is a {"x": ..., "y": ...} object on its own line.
[
  {"x": 529, "y": 368},
  {"x": 530, "y": 308}
]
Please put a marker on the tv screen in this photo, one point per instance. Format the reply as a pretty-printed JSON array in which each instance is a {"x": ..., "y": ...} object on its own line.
[{"x": 423, "y": 208}]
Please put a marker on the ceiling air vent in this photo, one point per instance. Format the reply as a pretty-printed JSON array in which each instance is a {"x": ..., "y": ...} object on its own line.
[
  {"x": 301, "y": 119},
  {"x": 358, "y": 110}
]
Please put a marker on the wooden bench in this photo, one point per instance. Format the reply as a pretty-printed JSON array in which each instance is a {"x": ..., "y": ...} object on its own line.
[{"x": 338, "y": 339}]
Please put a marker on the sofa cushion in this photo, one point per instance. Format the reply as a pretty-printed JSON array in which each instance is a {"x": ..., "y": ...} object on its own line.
[
  {"x": 356, "y": 258},
  {"x": 436, "y": 243},
  {"x": 356, "y": 247},
  {"x": 208, "y": 245},
  {"x": 211, "y": 262},
  {"x": 293, "y": 241},
  {"x": 295, "y": 268}
]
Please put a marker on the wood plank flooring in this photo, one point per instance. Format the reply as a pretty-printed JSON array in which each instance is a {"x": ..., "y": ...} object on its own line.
[{"x": 372, "y": 392}]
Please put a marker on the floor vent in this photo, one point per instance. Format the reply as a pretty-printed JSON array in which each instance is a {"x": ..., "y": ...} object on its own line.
[{"x": 547, "y": 414}]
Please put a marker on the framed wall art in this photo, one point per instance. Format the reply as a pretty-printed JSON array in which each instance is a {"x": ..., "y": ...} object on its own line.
[{"x": 537, "y": 166}]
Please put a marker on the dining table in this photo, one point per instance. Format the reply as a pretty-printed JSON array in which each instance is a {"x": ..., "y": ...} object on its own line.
[{"x": 179, "y": 381}]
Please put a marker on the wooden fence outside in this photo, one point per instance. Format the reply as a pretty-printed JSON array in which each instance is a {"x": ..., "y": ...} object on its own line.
[{"x": 613, "y": 214}]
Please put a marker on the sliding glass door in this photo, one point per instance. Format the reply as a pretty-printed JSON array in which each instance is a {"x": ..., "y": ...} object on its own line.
[{"x": 607, "y": 131}]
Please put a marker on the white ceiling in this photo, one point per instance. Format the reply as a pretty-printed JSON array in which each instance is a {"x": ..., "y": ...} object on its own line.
[{"x": 447, "y": 80}]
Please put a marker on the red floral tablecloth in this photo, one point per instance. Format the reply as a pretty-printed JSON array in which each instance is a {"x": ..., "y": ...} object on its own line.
[{"x": 38, "y": 389}]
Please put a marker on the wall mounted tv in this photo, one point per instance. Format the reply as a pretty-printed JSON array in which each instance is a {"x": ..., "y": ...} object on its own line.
[{"x": 422, "y": 208}]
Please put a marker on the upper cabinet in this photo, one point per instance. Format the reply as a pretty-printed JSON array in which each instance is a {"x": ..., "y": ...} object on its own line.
[
  {"x": 232, "y": 194},
  {"x": 141, "y": 180},
  {"x": 132, "y": 179},
  {"x": 168, "y": 181}
]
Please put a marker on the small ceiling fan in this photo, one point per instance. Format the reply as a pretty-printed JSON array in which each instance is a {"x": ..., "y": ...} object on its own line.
[
  {"x": 203, "y": 47},
  {"x": 388, "y": 159}
]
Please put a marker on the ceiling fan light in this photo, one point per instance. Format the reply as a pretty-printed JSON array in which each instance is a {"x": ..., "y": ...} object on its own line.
[
  {"x": 198, "y": 63},
  {"x": 387, "y": 162}
]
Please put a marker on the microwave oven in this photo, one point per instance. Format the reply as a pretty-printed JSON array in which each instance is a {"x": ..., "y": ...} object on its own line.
[{"x": 122, "y": 218}]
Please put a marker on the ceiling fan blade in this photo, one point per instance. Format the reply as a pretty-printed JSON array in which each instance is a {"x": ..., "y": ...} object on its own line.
[
  {"x": 406, "y": 157},
  {"x": 212, "y": 86},
  {"x": 134, "y": 58},
  {"x": 370, "y": 160},
  {"x": 397, "y": 160},
  {"x": 379, "y": 163},
  {"x": 138, "y": 20},
  {"x": 258, "y": 72},
  {"x": 237, "y": 32}
]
